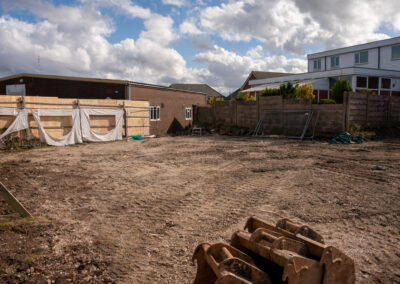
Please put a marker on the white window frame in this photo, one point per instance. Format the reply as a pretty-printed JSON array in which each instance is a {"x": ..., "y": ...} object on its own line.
[
  {"x": 393, "y": 58},
  {"x": 154, "y": 113},
  {"x": 188, "y": 110},
  {"x": 335, "y": 61},
  {"x": 357, "y": 55},
  {"x": 317, "y": 64}
]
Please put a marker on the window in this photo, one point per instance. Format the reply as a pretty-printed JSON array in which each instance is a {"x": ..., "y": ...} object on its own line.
[
  {"x": 188, "y": 113},
  {"x": 317, "y": 64},
  {"x": 154, "y": 113},
  {"x": 385, "y": 83},
  {"x": 334, "y": 61},
  {"x": 361, "y": 57},
  {"x": 395, "y": 52},
  {"x": 361, "y": 82},
  {"x": 373, "y": 82}
]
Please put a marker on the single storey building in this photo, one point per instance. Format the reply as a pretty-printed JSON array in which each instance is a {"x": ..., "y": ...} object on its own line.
[{"x": 171, "y": 109}]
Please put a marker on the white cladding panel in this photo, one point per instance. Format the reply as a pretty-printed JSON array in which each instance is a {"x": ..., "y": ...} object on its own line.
[
  {"x": 322, "y": 84},
  {"x": 347, "y": 60},
  {"x": 386, "y": 59}
]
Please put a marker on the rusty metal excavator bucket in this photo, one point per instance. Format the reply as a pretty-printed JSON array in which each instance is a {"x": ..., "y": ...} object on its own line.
[
  {"x": 221, "y": 263},
  {"x": 267, "y": 253}
]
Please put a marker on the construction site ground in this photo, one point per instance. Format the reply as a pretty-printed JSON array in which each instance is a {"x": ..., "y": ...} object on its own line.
[{"x": 133, "y": 212}]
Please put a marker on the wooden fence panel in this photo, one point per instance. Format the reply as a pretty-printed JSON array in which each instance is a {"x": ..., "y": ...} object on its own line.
[{"x": 138, "y": 119}]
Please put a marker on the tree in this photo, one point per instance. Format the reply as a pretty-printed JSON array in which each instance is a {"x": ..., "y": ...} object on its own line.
[{"x": 341, "y": 86}]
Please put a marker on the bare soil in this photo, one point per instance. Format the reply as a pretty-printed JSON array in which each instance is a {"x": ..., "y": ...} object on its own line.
[{"x": 133, "y": 212}]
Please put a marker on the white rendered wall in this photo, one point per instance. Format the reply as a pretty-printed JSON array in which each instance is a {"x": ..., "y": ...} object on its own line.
[
  {"x": 386, "y": 59},
  {"x": 322, "y": 84},
  {"x": 311, "y": 65}
]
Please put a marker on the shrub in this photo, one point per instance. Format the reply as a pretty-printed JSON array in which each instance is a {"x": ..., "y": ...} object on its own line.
[
  {"x": 288, "y": 90},
  {"x": 341, "y": 86},
  {"x": 367, "y": 91},
  {"x": 270, "y": 93},
  {"x": 326, "y": 101},
  {"x": 244, "y": 97},
  {"x": 305, "y": 91},
  {"x": 211, "y": 101}
]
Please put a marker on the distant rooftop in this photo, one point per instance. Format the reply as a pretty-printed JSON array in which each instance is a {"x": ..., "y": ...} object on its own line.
[{"x": 202, "y": 88}]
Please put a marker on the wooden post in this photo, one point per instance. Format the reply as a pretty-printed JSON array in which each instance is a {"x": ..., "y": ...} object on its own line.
[
  {"x": 347, "y": 110},
  {"x": 366, "y": 109},
  {"x": 125, "y": 120},
  {"x": 13, "y": 202}
]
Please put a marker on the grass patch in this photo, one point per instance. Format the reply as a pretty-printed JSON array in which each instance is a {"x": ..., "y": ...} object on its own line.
[{"x": 23, "y": 223}]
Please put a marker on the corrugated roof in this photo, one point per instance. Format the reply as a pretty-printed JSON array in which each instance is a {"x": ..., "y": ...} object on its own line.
[
  {"x": 202, "y": 88},
  {"x": 266, "y": 75},
  {"x": 56, "y": 77},
  {"x": 96, "y": 80}
]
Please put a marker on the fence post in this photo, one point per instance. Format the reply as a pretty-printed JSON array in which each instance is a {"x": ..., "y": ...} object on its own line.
[
  {"x": 125, "y": 120},
  {"x": 366, "y": 109},
  {"x": 347, "y": 110}
]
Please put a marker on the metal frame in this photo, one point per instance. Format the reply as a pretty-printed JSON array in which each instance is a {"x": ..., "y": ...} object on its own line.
[{"x": 309, "y": 112}]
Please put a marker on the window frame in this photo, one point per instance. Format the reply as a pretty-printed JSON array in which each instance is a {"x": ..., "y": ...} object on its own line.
[
  {"x": 358, "y": 54},
  {"x": 366, "y": 82},
  {"x": 370, "y": 79},
  {"x": 395, "y": 46},
  {"x": 390, "y": 83},
  {"x": 186, "y": 113},
  {"x": 318, "y": 63},
  {"x": 336, "y": 61},
  {"x": 157, "y": 113}
]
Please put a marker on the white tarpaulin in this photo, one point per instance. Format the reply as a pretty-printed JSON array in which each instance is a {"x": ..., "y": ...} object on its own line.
[
  {"x": 20, "y": 122},
  {"x": 89, "y": 135},
  {"x": 71, "y": 138}
]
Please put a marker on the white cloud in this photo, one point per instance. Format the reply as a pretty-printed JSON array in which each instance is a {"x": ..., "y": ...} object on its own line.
[
  {"x": 256, "y": 52},
  {"x": 190, "y": 28},
  {"x": 228, "y": 70},
  {"x": 292, "y": 24},
  {"x": 159, "y": 29},
  {"x": 178, "y": 3},
  {"x": 72, "y": 41}
]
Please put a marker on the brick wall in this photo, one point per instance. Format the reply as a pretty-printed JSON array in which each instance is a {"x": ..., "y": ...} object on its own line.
[{"x": 172, "y": 106}]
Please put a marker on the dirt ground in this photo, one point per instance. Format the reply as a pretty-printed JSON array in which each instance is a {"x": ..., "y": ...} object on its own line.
[{"x": 133, "y": 212}]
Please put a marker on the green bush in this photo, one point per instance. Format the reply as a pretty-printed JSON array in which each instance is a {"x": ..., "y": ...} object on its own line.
[
  {"x": 288, "y": 90},
  {"x": 341, "y": 86},
  {"x": 285, "y": 90},
  {"x": 244, "y": 97},
  {"x": 270, "y": 93},
  {"x": 367, "y": 91},
  {"x": 326, "y": 101}
]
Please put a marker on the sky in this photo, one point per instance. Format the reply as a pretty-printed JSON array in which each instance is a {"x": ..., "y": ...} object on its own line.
[{"x": 183, "y": 41}]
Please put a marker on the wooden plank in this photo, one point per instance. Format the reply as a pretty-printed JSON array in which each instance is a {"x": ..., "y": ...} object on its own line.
[{"x": 13, "y": 202}]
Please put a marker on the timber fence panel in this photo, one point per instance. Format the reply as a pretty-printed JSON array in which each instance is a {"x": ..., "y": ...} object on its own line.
[
  {"x": 246, "y": 113},
  {"x": 137, "y": 114}
]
